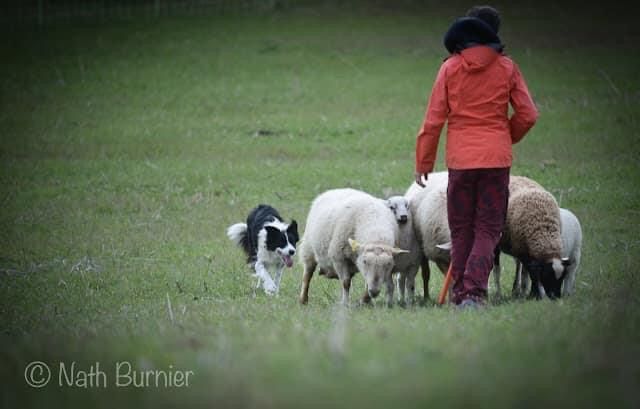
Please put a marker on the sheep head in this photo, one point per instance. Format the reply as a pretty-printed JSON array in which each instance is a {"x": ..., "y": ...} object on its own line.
[
  {"x": 550, "y": 274},
  {"x": 399, "y": 205},
  {"x": 375, "y": 262}
]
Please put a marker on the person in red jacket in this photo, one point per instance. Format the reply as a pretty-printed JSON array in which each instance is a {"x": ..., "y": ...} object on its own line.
[{"x": 472, "y": 93}]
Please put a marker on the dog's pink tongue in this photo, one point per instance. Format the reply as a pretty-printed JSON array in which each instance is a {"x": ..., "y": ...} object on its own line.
[{"x": 288, "y": 261}]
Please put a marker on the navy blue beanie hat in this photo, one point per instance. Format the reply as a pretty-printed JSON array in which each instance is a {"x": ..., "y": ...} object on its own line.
[{"x": 466, "y": 32}]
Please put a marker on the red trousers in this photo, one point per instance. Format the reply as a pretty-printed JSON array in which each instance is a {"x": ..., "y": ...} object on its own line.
[{"x": 477, "y": 208}]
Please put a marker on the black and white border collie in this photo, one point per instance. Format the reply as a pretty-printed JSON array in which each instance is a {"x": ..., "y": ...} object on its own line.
[{"x": 269, "y": 243}]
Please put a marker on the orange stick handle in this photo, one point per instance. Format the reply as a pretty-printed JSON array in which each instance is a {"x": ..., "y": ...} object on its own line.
[{"x": 445, "y": 286}]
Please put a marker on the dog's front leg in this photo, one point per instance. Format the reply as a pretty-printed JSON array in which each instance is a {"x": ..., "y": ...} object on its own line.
[
  {"x": 278, "y": 278},
  {"x": 268, "y": 284}
]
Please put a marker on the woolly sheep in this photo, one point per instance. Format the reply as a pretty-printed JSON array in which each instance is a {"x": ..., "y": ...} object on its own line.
[
  {"x": 517, "y": 183},
  {"x": 532, "y": 234},
  {"x": 349, "y": 231},
  {"x": 431, "y": 226},
  {"x": 406, "y": 264},
  {"x": 571, "y": 250},
  {"x": 435, "y": 179}
]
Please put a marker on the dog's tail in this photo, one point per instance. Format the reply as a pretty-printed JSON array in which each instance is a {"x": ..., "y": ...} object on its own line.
[{"x": 238, "y": 234}]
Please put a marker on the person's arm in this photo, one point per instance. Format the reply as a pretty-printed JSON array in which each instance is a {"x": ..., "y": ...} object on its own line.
[
  {"x": 525, "y": 111},
  {"x": 434, "y": 119}
]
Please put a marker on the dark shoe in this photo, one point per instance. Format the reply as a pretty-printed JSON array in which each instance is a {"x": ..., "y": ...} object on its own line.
[{"x": 471, "y": 304}]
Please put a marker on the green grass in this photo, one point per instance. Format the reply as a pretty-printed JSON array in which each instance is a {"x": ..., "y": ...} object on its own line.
[{"x": 127, "y": 148}]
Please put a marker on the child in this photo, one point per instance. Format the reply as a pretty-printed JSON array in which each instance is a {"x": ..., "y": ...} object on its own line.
[{"x": 472, "y": 92}]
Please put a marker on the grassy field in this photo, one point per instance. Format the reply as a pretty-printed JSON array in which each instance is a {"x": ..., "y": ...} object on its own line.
[{"x": 128, "y": 147}]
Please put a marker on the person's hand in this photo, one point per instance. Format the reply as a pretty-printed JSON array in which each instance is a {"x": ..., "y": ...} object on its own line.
[{"x": 419, "y": 177}]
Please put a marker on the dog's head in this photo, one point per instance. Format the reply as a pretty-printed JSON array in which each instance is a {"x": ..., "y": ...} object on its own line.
[{"x": 282, "y": 239}]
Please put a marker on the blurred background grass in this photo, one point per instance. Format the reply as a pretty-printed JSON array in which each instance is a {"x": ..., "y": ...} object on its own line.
[{"x": 130, "y": 141}]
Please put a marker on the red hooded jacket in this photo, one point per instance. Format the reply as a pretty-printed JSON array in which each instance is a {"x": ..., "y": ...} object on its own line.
[{"x": 472, "y": 92}]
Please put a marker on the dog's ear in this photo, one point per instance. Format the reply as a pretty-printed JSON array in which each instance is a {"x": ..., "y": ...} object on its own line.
[
  {"x": 293, "y": 227},
  {"x": 292, "y": 231}
]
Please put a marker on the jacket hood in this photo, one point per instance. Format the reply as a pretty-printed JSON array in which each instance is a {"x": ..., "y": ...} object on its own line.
[{"x": 478, "y": 58}]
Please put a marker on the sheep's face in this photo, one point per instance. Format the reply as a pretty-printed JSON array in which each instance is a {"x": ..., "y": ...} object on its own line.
[
  {"x": 400, "y": 208},
  {"x": 375, "y": 263},
  {"x": 550, "y": 274}
]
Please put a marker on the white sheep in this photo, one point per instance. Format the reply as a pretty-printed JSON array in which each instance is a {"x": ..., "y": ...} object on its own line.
[
  {"x": 431, "y": 226},
  {"x": 434, "y": 179},
  {"x": 406, "y": 264},
  {"x": 349, "y": 231},
  {"x": 531, "y": 234},
  {"x": 571, "y": 250}
]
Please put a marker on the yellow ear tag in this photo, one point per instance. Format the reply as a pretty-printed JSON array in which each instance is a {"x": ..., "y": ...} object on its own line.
[{"x": 354, "y": 245}]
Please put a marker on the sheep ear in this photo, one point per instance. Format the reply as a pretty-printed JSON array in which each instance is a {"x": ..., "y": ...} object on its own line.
[
  {"x": 354, "y": 245},
  {"x": 445, "y": 246},
  {"x": 395, "y": 251},
  {"x": 565, "y": 261}
]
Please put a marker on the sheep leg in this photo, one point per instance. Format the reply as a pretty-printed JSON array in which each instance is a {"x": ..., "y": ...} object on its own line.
[
  {"x": 366, "y": 298},
  {"x": 390, "y": 287},
  {"x": 536, "y": 287},
  {"x": 410, "y": 287},
  {"x": 497, "y": 272},
  {"x": 309, "y": 267},
  {"x": 402, "y": 280},
  {"x": 517, "y": 281},
  {"x": 346, "y": 286},
  {"x": 426, "y": 275},
  {"x": 541, "y": 291},
  {"x": 411, "y": 283},
  {"x": 570, "y": 280},
  {"x": 524, "y": 283},
  {"x": 343, "y": 270}
]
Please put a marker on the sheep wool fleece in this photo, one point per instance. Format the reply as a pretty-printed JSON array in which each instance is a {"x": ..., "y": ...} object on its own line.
[{"x": 477, "y": 202}]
